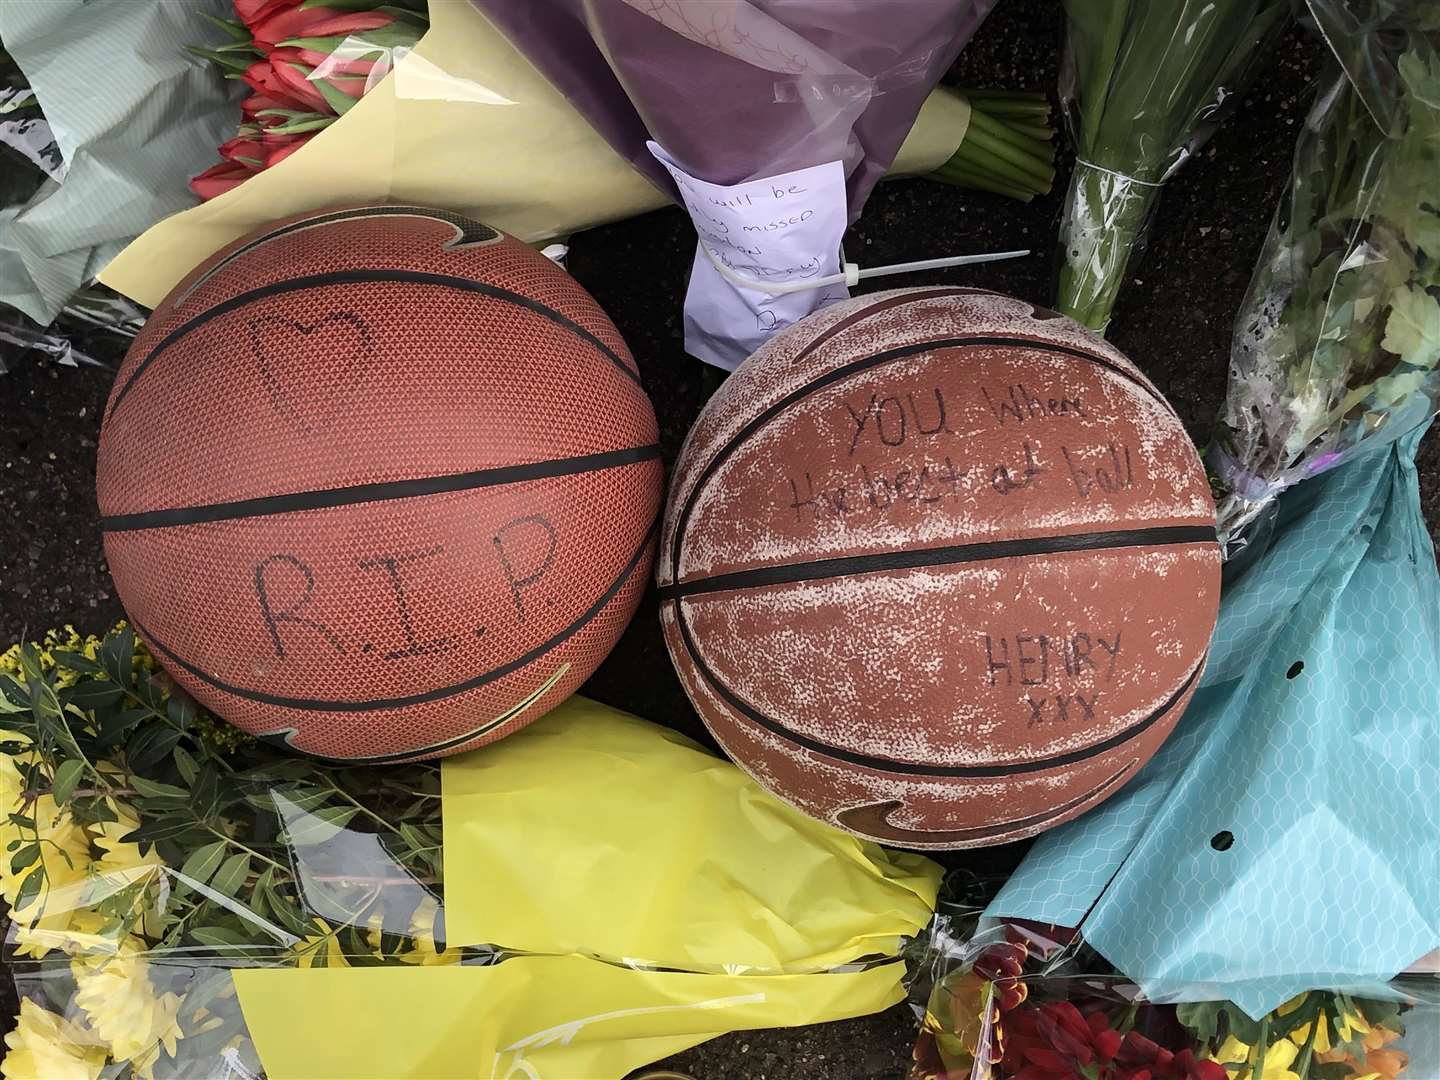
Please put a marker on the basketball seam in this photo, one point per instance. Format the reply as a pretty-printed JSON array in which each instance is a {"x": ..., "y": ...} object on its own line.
[
  {"x": 437, "y": 694},
  {"x": 954, "y": 554},
  {"x": 360, "y": 277},
  {"x": 383, "y": 491},
  {"x": 854, "y": 367},
  {"x": 890, "y": 765},
  {"x": 356, "y": 212}
]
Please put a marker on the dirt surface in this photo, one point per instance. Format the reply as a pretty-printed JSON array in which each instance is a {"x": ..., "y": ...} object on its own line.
[{"x": 1174, "y": 320}]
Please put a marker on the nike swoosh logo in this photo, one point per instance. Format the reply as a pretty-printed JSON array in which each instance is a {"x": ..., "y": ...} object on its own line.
[{"x": 873, "y": 820}]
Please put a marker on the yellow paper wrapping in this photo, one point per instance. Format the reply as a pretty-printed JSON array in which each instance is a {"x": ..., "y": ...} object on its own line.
[
  {"x": 530, "y": 1017},
  {"x": 653, "y": 849},
  {"x": 463, "y": 122},
  {"x": 937, "y": 133},
  {"x": 599, "y": 846}
]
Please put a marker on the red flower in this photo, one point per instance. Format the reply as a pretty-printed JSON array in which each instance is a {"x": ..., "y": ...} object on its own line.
[
  {"x": 219, "y": 179},
  {"x": 283, "y": 76},
  {"x": 1057, "y": 1042},
  {"x": 252, "y": 12},
  {"x": 279, "y": 80},
  {"x": 279, "y": 147},
  {"x": 243, "y": 151},
  {"x": 316, "y": 22}
]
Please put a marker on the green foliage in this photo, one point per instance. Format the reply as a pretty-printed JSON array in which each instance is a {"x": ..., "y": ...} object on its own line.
[
  {"x": 1146, "y": 83},
  {"x": 234, "y": 821}
]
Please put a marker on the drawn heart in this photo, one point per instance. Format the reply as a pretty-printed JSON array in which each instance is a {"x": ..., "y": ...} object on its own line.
[{"x": 303, "y": 366}]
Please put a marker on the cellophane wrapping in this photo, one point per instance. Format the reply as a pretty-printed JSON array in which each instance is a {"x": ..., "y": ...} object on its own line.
[{"x": 1337, "y": 345}]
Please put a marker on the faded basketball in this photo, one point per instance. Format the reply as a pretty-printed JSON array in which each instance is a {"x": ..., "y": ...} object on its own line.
[
  {"x": 939, "y": 567},
  {"x": 379, "y": 482}
]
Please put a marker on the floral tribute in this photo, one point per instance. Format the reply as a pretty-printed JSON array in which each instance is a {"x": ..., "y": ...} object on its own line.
[
  {"x": 148, "y": 848},
  {"x": 1022, "y": 1004},
  {"x": 306, "y": 64}
]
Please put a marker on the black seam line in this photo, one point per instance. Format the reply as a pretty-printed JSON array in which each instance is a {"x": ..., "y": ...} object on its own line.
[
  {"x": 914, "y": 558},
  {"x": 352, "y": 214},
  {"x": 912, "y": 768},
  {"x": 863, "y": 364},
  {"x": 356, "y": 277},
  {"x": 326, "y": 498},
  {"x": 440, "y": 692}
]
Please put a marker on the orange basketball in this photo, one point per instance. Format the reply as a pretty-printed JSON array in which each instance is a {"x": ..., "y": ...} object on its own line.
[
  {"x": 381, "y": 482},
  {"x": 939, "y": 567}
]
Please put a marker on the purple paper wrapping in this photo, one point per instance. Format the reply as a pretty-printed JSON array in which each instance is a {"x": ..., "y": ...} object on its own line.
[{"x": 740, "y": 89}]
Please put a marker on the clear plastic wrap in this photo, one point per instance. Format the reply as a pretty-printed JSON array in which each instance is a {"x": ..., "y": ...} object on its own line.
[
  {"x": 188, "y": 902},
  {"x": 1337, "y": 346},
  {"x": 1028, "y": 1001},
  {"x": 96, "y": 322},
  {"x": 1143, "y": 86},
  {"x": 120, "y": 144}
]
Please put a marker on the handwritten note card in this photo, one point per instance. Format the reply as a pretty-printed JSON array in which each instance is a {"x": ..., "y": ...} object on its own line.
[{"x": 784, "y": 228}]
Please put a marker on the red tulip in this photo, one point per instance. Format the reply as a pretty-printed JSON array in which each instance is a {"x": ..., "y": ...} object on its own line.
[
  {"x": 253, "y": 12},
  {"x": 279, "y": 147},
  {"x": 243, "y": 151},
  {"x": 219, "y": 179},
  {"x": 286, "y": 76},
  {"x": 313, "y": 23},
  {"x": 277, "y": 80}
]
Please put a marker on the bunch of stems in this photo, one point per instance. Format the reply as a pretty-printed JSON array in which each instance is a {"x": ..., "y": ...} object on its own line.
[{"x": 1008, "y": 146}]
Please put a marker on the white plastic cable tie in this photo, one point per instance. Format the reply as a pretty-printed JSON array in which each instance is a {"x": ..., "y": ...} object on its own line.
[
  {"x": 1134, "y": 179},
  {"x": 852, "y": 274}
]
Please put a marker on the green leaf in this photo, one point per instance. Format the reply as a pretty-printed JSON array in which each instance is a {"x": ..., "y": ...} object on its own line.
[
  {"x": 317, "y": 827},
  {"x": 186, "y": 765},
  {"x": 232, "y": 874},
  {"x": 153, "y": 789},
  {"x": 117, "y": 654},
  {"x": 13, "y": 697},
  {"x": 115, "y": 726},
  {"x": 286, "y": 913},
  {"x": 181, "y": 709},
  {"x": 233, "y": 63},
  {"x": 94, "y": 694},
  {"x": 150, "y": 745},
  {"x": 29, "y": 888},
  {"x": 233, "y": 28},
  {"x": 204, "y": 861},
  {"x": 205, "y": 792},
  {"x": 219, "y": 937},
  {"x": 76, "y": 662},
  {"x": 67, "y": 777},
  {"x": 341, "y": 103},
  {"x": 1412, "y": 332},
  {"x": 164, "y": 827},
  {"x": 24, "y": 857}
]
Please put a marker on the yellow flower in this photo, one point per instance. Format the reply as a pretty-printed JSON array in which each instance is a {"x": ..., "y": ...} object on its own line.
[
  {"x": 131, "y": 1019},
  {"x": 44, "y": 1046},
  {"x": 424, "y": 952},
  {"x": 1236, "y": 1056},
  {"x": 320, "y": 950},
  {"x": 64, "y": 853}
]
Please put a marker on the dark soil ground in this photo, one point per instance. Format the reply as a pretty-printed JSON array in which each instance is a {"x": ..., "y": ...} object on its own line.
[{"x": 1174, "y": 320}]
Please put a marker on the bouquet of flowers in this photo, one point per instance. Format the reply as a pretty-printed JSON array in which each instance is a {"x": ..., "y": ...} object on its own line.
[
  {"x": 1143, "y": 84},
  {"x": 771, "y": 122},
  {"x": 1030, "y": 1001},
  {"x": 149, "y": 848},
  {"x": 187, "y": 902},
  {"x": 306, "y": 64},
  {"x": 1337, "y": 346}
]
